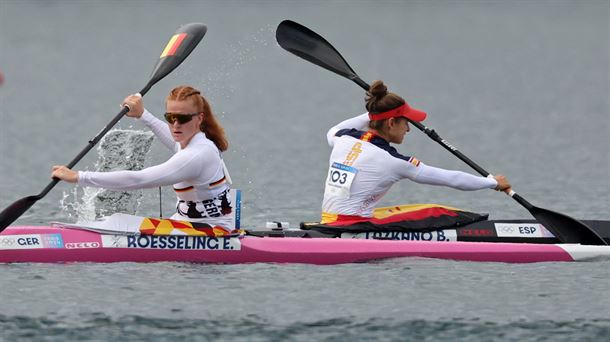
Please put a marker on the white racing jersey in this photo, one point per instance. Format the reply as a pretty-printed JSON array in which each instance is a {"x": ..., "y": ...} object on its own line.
[
  {"x": 363, "y": 167},
  {"x": 197, "y": 173}
]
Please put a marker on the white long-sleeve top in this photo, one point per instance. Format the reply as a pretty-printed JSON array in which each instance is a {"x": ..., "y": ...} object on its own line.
[
  {"x": 197, "y": 172},
  {"x": 363, "y": 167}
]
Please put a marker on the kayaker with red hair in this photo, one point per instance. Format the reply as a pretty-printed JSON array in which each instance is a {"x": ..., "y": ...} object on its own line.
[
  {"x": 363, "y": 165},
  {"x": 196, "y": 170}
]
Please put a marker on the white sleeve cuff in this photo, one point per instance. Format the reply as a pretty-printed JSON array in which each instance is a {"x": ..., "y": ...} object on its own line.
[{"x": 147, "y": 117}]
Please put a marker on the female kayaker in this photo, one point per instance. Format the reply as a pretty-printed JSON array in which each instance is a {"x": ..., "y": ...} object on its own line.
[
  {"x": 196, "y": 170},
  {"x": 363, "y": 165}
]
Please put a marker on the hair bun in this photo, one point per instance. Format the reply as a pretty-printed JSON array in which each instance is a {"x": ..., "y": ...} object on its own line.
[
  {"x": 378, "y": 99},
  {"x": 377, "y": 90}
]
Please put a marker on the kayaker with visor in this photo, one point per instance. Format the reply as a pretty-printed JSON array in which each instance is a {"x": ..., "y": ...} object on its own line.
[
  {"x": 363, "y": 165},
  {"x": 196, "y": 170}
]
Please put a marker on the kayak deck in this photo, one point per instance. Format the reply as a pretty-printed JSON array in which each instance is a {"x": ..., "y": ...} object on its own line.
[{"x": 57, "y": 245}]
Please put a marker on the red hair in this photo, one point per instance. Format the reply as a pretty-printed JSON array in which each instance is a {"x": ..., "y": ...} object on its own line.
[{"x": 210, "y": 126}]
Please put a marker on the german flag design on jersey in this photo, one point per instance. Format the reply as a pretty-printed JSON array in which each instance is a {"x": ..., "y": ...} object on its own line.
[
  {"x": 217, "y": 183},
  {"x": 153, "y": 226},
  {"x": 188, "y": 188}
]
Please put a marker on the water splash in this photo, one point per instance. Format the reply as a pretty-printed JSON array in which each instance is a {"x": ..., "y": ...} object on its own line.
[
  {"x": 120, "y": 149},
  {"x": 238, "y": 54}
]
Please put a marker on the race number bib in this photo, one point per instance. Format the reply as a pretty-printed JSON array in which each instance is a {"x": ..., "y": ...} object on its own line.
[{"x": 339, "y": 181}]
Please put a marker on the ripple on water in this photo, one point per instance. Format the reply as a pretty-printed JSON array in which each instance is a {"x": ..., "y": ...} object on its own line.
[{"x": 252, "y": 327}]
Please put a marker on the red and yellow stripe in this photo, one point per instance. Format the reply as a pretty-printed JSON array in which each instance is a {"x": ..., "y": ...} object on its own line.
[
  {"x": 367, "y": 136},
  {"x": 414, "y": 161},
  {"x": 152, "y": 226},
  {"x": 386, "y": 215},
  {"x": 218, "y": 182},
  {"x": 184, "y": 189},
  {"x": 173, "y": 45}
]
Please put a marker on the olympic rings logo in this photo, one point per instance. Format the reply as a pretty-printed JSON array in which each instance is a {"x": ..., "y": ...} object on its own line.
[
  {"x": 507, "y": 229},
  {"x": 7, "y": 241}
]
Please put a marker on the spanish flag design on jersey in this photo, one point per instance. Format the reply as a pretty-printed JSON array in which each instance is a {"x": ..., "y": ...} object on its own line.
[
  {"x": 378, "y": 141},
  {"x": 367, "y": 136},
  {"x": 414, "y": 161}
]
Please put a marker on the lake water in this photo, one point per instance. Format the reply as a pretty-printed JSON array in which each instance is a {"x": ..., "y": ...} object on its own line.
[{"x": 519, "y": 87}]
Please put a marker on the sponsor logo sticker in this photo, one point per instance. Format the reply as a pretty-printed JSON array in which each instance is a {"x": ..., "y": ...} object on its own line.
[
  {"x": 84, "y": 244},
  {"x": 476, "y": 232},
  {"x": 436, "y": 236},
  {"x": 52, "y": 241},
  {"x": 31, "y": 241},
  {"x": 527, "y": 230},
  {"x": 176, "y": 242}
]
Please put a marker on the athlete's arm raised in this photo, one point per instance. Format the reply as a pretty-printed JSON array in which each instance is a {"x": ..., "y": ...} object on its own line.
[{"x": 359, "y": 122}]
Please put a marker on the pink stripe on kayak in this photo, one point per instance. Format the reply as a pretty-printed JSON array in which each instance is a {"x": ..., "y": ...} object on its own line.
[
  {"x": 336, "y": 251},
  {"x": 319, "y": 251}
]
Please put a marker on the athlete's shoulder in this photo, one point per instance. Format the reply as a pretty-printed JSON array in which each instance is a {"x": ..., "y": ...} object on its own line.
[
  {"x": 391, "y": 150},
  {"x": 350, "y": 132},
  {"x": 201, "y": 147},
  {"x": 378, "y": 142}
]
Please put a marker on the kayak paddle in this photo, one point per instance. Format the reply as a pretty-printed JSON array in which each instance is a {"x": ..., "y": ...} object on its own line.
[
  {"x": 180, "y": 45},
  {"x": 305, "y": 43}
]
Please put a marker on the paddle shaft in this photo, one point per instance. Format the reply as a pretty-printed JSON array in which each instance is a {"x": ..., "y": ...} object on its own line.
[
  {"x": 99, "y": 136},
  {"x": 90, "y": 145},
  {"x": 565, "y": 228},
  {"x": 312, "y": 47},
  {"x": 175, "y": 52},
  {"x": 434, "y": 136}
]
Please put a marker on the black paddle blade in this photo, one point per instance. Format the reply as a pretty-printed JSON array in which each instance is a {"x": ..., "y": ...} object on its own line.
[
  {"x": 566, "y": 228},
  {"x": 15, "y": 210},
  {"x": 180, "y": 45},
  {"x": 305, "y": 43}
]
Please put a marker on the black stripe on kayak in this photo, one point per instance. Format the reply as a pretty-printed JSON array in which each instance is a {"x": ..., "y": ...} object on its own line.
[{"x": 483, "y": 231}]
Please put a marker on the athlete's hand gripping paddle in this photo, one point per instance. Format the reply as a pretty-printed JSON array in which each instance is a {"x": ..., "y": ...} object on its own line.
[
  {"x": 310, "y": 46},
  {"x": 177, "y": 49}
]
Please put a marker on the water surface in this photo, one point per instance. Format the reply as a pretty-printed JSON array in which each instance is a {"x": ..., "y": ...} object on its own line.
[{"x": 519, "y": 87}]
